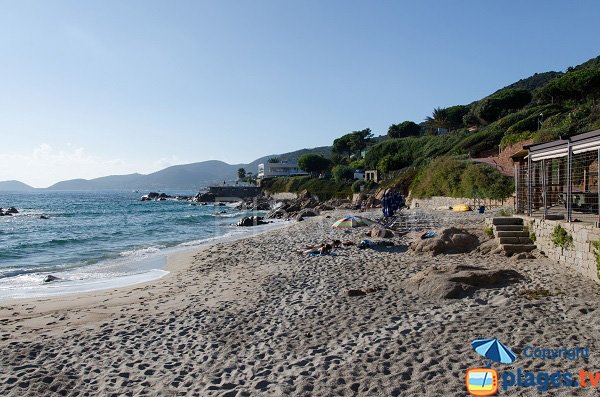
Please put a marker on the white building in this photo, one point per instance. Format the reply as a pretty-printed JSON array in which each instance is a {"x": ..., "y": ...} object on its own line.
[{"x": 269, "y": 170}]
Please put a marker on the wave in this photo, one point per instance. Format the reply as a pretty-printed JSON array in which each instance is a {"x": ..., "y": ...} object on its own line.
[{"x": 141, "y": 251}]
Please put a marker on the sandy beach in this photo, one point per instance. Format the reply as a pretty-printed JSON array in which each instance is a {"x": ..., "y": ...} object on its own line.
[{"x": 254, "y": 317}]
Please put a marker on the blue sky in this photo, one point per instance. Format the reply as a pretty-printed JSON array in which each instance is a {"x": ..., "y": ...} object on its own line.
[{"x": 92, "y": 88}]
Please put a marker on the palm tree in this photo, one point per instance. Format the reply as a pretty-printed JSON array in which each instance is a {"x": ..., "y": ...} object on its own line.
[{"x": 438, "y": 119}]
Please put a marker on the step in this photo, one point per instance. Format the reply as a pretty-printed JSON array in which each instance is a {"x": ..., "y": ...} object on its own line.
[
  {"x": 509, "y": 228},
  {"x": 515, "y": 240},
  {"x": 512, "y": 234},
  {"x": 507, "y": 220},
  {"x": 517, "y": 248}
]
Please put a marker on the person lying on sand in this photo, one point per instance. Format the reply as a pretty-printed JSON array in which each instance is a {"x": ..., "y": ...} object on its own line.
[{"x": 323, "y": 249}]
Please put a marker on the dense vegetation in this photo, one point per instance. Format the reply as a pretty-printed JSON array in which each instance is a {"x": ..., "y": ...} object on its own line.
[
  {"x": 446, "y": 176},
  {"x": 323, "y": 188},
  {"x": 542, "y": 107}
]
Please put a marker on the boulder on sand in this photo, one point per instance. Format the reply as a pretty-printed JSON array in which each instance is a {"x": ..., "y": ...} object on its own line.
[
  {"x": 49, "y": 278},
  {"x": 459, "y": 281},
  {"x": 449, "y": 241},
  {"x": 381, "y": 232}
]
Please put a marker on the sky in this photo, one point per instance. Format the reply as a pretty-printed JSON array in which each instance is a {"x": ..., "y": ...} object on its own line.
[{"x": 94, "y": 88}]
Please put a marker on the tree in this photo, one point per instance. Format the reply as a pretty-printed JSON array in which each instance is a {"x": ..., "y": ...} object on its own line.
[
  {"x": 313, "y": 163},
  {"x": 438, "y": 118},
  {"x": 404, "y": 129},
  {"x": 241, "y": 173},
  {"x": 343, "y": 173},
  {"x": 502, "y": 103},
  {"x": 353, "y": 142},
  {"x": 338, "y": 159},
  {"x": 273, "y": 160},
  {"x": 455, "y": 116}
]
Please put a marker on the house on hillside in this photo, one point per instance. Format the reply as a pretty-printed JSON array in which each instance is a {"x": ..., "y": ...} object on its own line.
[
  {"x": 271, "y": 170},
  {"x": 372, "y": 175}
]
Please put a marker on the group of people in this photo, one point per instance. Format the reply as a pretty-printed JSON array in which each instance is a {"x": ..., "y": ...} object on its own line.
[
  {"x": 392, "y": 201},
  {"x": 324, "y": 248}
]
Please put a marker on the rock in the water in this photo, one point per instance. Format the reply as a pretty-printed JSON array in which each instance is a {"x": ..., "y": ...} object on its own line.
[
  {"x": 49, "y": 278},
  {"x": 11, "y": 210},
  {"x": 44, "y": 217},
  {"x": 251, "y": 221},
  {"x": 205, "y": 197},
  {"x": 459, "y": 281}
]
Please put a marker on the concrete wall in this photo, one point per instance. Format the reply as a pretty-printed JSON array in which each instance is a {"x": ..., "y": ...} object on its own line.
[
  {"x": 580, "y": 256},
  {"x": 284, "y": 196},
  {"x": 440, "y": 202}
]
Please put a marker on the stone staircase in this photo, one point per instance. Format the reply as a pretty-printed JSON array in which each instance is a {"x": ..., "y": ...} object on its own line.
[{"x": 512, "y": 236}]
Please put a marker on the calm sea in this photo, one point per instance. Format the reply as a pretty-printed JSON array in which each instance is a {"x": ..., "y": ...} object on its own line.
[{"x": 96, "y": 240}]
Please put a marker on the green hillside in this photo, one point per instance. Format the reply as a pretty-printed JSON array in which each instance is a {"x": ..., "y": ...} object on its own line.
[{"x": 541, "y": 107}]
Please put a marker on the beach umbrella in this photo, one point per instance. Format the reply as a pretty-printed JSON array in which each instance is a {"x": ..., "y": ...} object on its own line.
[
  {"x": 494, "y": 350},
  {"x": 353, "y": 221}
]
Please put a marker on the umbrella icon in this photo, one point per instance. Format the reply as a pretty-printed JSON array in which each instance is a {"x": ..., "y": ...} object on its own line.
[{"x": 494, "y": 350}]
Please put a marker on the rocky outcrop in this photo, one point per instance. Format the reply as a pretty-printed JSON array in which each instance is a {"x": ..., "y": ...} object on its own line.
[
  {"x": 154, "y": 196},
  {"x": 50, "y": 278},
  {"x": 381, "y": 232},
  {"x": 8, "y": 212},
  {"x": 449, "y": 241},
  {"x": 459, "y": 281},
  {"x": 254, "y": 204},
  {"x": 251, "y": 221}
]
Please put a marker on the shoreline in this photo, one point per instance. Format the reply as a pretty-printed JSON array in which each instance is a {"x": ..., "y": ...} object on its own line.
[
  {"x": 254, "y": 317},
  {"x": 156, "y": 265}
]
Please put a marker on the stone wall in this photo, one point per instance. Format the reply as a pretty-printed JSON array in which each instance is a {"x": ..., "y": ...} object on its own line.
[
  {"x": 579, "y": 256},
  {"x": 443, "y": 203},
  {"x": 284, "y": 196}
]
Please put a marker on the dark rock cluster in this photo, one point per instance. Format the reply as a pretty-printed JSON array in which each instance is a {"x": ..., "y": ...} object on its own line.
[{"x": 8, "y": 212}]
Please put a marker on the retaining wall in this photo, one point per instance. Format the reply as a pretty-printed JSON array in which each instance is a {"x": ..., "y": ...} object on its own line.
[
  {"x": 441, "y": 202},
  {"x": 579, "y": 256}
]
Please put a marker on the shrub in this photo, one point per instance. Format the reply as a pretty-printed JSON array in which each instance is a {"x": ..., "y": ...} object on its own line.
[
  {"x": 446, "y": 176},
  {"x": 357, "y": 184},
  {"x": 343, "y": 173},
  {"x": 502, "y": 103},
  {"x": 323, "y": 188},
  {"x": 596, "y": 245},
  {"x": 489, "y": 231},
  {"x": 561, "y": 238}
]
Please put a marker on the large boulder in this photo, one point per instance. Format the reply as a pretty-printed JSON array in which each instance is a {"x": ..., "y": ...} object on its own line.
[
  {"x": 381, "y": 232},
  {"x": 251, "y": 221},
  {"x": 459, "y": 281},
  {"x": 50, "y": 278},
  {"x": 205, "y": 197},
  {"x": 11, "y": 210},
  {"x": 449, "y": 241}
]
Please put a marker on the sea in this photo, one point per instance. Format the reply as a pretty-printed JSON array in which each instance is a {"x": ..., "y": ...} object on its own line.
[{"x": 101, "y": 240}]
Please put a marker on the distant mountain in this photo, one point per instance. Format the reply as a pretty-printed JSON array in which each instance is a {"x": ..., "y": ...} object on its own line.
[
  {"x": 290, "y": 156},
  {"x": 180, "y": 177},
  {"x": 14, "y": 186}
]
